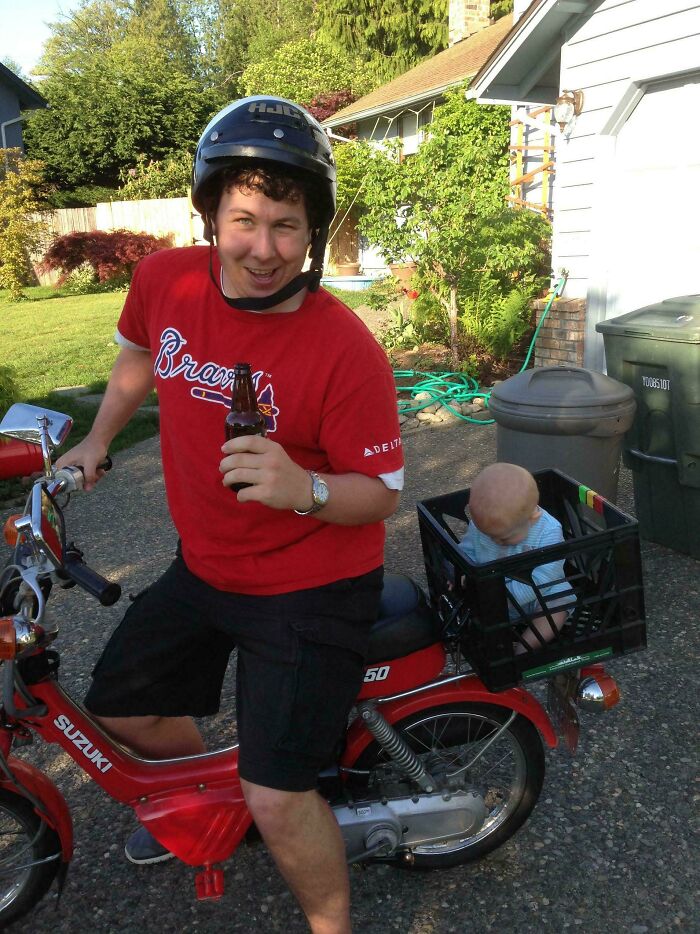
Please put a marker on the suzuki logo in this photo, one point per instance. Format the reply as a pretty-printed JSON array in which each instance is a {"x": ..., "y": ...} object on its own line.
[{"x": 80, "y": 740}]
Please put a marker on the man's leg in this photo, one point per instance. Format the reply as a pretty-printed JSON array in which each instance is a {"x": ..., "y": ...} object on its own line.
[
  {"x": 302, "y": 835},
  {"x": 156, "y": 737}
]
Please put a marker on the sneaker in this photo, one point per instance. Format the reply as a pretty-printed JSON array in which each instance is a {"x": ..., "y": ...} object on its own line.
[{"x": 142, "y": 848}]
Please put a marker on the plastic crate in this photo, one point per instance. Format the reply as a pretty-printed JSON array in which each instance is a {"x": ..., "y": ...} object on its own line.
[{"x": 602, "y": 567}]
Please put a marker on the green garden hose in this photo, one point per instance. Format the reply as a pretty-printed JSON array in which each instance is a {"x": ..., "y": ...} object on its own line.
[{"x": 448, "y": 388}]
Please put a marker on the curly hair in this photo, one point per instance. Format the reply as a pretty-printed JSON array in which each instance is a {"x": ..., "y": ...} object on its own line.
[{"x": 270, "y": 180}]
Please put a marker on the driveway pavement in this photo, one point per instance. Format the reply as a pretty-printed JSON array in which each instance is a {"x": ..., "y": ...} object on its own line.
[{"x": 608, "y": 848}]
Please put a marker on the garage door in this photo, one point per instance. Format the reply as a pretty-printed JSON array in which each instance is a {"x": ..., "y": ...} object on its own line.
[{"x": 654, "y": 231}]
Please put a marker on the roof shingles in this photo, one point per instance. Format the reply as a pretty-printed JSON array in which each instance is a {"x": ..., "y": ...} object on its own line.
[{"x": 455, "y": 64}]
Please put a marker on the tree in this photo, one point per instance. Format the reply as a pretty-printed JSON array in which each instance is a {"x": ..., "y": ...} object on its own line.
[
  {"x": 19, "y": 230},
  {"x": 471, "y": 250},
  {"x": 130, "y": 99},
  {"x": 302, "y": 70},
  {"x": 389, "y": 35},
  {"x": 250, "y": 33},
  {"x": 14, "y": 67}
]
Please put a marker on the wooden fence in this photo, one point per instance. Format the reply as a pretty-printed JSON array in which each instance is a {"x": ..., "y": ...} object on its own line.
[{"x": 173, "y": 217}]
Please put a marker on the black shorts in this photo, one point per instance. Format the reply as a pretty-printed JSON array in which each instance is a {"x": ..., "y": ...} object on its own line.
[{"x": 299, "y": 670}]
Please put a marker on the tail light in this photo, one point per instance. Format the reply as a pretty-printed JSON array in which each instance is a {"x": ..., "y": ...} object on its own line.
[
  {"x": 597, "y": 690},
  {"x": 19, "y": 458},
  {"x": 8, "y": 639}
]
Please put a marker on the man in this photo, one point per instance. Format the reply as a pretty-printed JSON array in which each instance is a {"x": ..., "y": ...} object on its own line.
[{"x": 289, "y": 569}]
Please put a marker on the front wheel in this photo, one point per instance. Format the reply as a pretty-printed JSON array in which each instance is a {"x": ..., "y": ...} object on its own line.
[
  {"x": 27, "y": 846},
  {"x": 508, "y": 774}
]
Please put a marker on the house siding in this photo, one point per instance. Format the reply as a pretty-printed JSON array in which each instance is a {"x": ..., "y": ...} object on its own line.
[
  {"x": 9, "y": 110},
  {"x": 622, "y": 41}
]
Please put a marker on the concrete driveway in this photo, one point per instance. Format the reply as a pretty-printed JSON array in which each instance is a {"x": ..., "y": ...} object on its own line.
[{"x": 608, "y": 848}]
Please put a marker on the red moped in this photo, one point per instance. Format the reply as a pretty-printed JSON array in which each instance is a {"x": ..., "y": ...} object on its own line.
[{"x": 435, "y": 769}]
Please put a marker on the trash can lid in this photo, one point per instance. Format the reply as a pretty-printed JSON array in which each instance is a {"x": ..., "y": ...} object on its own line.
[
  {"x": 562, "y": 389},
  {"x": 675, "y": 319}
]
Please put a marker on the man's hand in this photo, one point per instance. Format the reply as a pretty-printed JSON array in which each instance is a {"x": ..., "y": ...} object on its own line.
[
  {"x": 276, "y": 480},
  {"x": 88, "y": 454}
]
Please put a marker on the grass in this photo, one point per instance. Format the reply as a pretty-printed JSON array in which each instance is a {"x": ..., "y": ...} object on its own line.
[
  {"x": 351, "y": 299},
  {"x": 53, "y": 341}
]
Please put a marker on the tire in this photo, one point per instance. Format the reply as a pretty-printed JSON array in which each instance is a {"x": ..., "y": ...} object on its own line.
[
  {"x": 24, "y": 839},
  {"x": 508, "y": 775}
]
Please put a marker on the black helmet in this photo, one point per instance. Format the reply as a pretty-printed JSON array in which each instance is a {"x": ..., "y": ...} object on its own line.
[{"x": 269, "y": 130}]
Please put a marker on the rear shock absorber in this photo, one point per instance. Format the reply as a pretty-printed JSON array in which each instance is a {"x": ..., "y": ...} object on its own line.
[{"x": 400, "y": 752}]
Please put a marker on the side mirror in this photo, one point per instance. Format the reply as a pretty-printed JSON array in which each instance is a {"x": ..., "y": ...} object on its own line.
[{"x": 28, "y": 423}]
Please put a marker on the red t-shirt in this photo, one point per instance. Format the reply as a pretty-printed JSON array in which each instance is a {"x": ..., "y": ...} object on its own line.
[{"x": 328, "y": 395}]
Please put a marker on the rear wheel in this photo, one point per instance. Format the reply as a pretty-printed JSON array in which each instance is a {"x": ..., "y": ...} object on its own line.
[
  {"x": 508, "y": 773},
  {"x": 25, "y": 841}
]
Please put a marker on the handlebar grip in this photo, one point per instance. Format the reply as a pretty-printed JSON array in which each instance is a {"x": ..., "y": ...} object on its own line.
[
  {"x": 107, "y": 592},
  {"x": 105, "y": 465}
]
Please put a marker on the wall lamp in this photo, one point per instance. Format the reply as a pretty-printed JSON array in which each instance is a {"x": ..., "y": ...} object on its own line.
[{"x": 568, "y": 106}]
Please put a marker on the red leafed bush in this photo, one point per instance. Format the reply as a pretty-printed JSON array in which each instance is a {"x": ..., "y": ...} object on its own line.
[
  {"x": 325, "y": 105},
  {"x": 112, "y": 254}
]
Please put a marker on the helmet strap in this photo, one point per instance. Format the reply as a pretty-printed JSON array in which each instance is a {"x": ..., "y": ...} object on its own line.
[{"x": 311, "y": 279}]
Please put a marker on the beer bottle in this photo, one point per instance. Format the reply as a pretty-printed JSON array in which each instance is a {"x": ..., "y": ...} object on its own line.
[{"x": 245, "y": 418}]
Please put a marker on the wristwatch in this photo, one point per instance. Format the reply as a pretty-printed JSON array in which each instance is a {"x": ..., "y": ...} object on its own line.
[{"x": 319, "y": 494}]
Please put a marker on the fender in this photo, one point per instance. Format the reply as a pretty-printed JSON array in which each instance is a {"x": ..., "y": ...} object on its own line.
[
  {"x": 54, "y": 804},
  {"x": 469, "y": 689}
]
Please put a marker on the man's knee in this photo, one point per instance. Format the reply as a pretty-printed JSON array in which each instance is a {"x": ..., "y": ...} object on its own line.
[
  {"x": 128, "y": 728},
  {"x": 273, "y": 809}
]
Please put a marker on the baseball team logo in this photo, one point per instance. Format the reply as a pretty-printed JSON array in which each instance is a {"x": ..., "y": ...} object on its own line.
[{"x": 213, "y": 380}]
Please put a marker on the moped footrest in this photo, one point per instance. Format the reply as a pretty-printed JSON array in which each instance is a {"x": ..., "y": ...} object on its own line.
[{"x": 209, "y": 883}]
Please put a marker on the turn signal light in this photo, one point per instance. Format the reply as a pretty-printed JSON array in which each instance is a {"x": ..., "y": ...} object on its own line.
[
  {"x": 8, "y": 639},
  {"x": 9, "y": 531}
]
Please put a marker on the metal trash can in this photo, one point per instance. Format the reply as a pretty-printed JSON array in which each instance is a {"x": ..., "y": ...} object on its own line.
[
  {"x": 564, "y": 417},
  {"x": 656, "y": 351}
]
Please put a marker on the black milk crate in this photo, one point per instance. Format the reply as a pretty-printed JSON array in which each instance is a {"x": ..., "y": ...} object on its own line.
[{"x": 602, "y": 568}]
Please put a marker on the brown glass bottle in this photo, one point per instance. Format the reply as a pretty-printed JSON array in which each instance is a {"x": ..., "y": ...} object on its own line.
[{"x": 245, "y": 418}]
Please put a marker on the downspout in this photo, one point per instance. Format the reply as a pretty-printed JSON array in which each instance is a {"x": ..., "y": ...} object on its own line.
[{"x": 2, "y": 130}]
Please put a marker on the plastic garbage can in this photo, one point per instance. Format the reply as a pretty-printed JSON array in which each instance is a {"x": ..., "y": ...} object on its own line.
[
  {"x": 564, "y": 417},
  {"x": 656, "y": 351}
]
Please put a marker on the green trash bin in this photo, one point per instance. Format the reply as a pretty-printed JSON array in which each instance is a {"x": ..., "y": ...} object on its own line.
[{"x": 656, "y": 351}]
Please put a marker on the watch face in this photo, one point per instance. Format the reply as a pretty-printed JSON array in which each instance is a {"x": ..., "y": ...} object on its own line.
[{"x": 319, "y": 491}]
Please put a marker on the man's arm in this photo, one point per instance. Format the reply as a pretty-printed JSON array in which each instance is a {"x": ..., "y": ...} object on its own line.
[
  {"x": 278, "y": 482},
  {"x": 129, "y": 384}
]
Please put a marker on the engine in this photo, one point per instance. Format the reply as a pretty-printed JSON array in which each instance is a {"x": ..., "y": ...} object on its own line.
[{"x": 379, "y": 828}]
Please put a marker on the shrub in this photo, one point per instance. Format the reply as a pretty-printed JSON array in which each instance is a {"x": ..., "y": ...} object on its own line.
[
  {"x": 84, "y": 281},
  {"x": 382, "y": 293},
  {"x": 9, "y": 390},
  {"x": 19, "y": 229},
  {"x": 168, "y": 178},
  {"x": 111, "y": 254}
]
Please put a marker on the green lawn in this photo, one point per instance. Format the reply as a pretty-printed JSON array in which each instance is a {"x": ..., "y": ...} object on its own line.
[{"x": 54, "y": 341}]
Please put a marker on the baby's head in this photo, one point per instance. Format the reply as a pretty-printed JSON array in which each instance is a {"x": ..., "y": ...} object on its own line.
[{"x": 503, "y": 503}]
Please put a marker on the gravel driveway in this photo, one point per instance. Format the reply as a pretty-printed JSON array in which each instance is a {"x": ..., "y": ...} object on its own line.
[{"x": 608, "y": 848}]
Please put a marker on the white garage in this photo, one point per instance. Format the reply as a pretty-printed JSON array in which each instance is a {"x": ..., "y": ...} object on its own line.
[{"x": 627, "y": 183}]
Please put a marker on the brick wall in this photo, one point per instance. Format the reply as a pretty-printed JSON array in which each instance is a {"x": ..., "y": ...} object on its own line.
[{"x": 560, "y": 341}]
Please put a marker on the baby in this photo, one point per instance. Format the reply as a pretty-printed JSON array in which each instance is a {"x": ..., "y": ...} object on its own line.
[{"x": 507, "y": 520}]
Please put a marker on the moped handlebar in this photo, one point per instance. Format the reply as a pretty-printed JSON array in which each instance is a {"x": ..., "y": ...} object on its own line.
[{"x": 106, "y": 591}]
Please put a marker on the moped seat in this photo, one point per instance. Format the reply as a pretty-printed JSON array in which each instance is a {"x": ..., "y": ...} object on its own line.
[{"x": 406, "y": 623}]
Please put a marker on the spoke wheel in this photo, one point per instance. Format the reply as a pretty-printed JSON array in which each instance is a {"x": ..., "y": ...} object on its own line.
[
  {"x": 24, "y": 840},
  {"x": 508, "y": 774}
]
